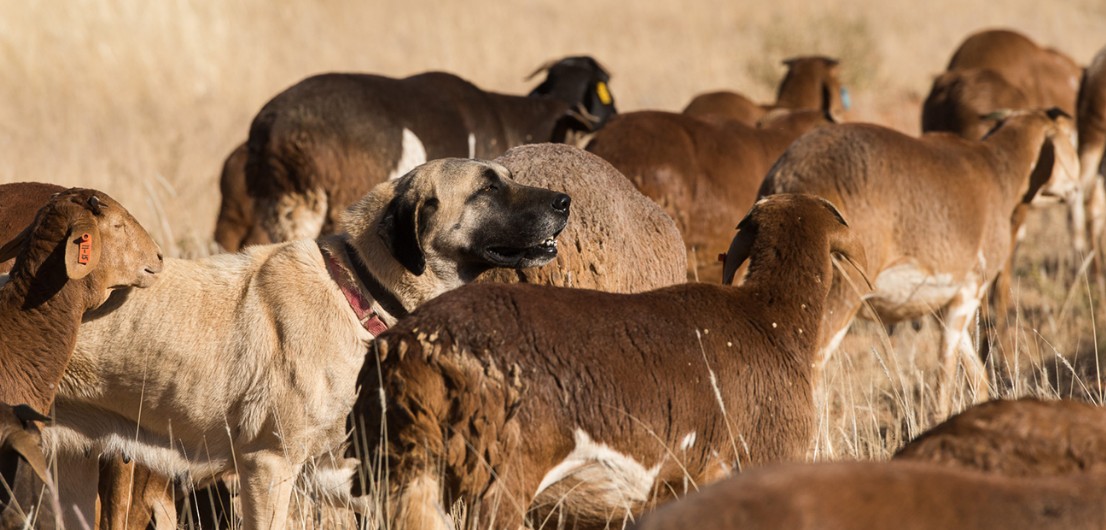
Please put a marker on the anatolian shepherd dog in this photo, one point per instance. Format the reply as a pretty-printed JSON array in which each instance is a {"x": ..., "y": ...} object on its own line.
[{"x": 247, "y": 363}]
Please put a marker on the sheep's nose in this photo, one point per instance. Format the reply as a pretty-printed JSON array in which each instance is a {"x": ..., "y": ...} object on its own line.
[{"x": 561, "y": 202}]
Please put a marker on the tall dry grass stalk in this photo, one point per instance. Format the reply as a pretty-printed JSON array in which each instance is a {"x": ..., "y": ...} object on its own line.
[{"x": 145, "y": 99}]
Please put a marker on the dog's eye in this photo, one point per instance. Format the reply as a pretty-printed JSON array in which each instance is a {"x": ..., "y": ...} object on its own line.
[{"x": 490, "y": 188}]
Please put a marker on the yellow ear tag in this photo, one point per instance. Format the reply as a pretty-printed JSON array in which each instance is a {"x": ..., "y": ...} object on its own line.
[{"x": 603, "y": 93}]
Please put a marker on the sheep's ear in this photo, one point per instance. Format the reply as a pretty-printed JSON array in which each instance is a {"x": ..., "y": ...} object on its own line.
[
  {"x": 27, "y": 446},
  {"x": 10, "y": 249},
  {"x": 82, "y": 248},
  {"x": 739, "y": 250},
  {"x": 399, "y": 228},
  {"x": 26, "y": 414}
]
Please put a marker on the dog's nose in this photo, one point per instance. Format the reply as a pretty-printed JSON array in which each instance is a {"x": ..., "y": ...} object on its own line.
[{"x": 561, "y": 202}]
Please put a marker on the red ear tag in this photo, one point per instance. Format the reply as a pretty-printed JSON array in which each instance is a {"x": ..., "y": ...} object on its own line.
[{"x": 84, "y": 254}]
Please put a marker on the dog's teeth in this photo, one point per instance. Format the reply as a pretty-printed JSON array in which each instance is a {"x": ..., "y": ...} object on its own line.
[{"x": 549, "y": 243}]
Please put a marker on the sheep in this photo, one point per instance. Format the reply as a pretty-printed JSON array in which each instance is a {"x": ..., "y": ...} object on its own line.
[
  {"x": 253, "y": 368},
  {"x": 21, "y": 200},
  {"x": 80, "y": 246},
  {"x": 617, "y": 241},
  {"x": 872, "y": 495},
  {"x": 704, "y": 173},
  {"x": 322, "y": 143},
  {"x": 1091, "y": 123},
  {"x": 517, "y": 398},
  {"x": 1019, "y": 438},
  {"x": 811, "y": 83},
  {"x": 935, "y": 216}
]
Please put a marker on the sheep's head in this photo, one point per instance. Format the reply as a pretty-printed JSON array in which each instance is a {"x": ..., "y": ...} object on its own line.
[
  {"x": 85, "y": 234},
  {"x": 1054, "y": 174},
  {"x": 582, "y": 83},
  {"x": 807, "y": 221},
  {"x": 812, "y": 83}
]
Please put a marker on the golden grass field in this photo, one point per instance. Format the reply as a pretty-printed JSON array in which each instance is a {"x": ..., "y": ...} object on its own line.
[{"x": 145, "y": 99}]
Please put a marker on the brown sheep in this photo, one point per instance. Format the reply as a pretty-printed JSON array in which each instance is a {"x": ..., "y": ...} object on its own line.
[
  {"x": 19, "y": 201},
  {"x": 876, "y": 496},
  {"x": 523, "y": 398},
  {"x": 327, "y": 140},
  {"x": 934, "y": 213},
  {"x": 705, "y": 174},
  {"x": 1001, "y": 70},
  {"x": 617, "y": 239},
  {"x": 1022, "y": 438},
  {"x": 80, "y": 247},
  {"x": 811, "y": 83}
]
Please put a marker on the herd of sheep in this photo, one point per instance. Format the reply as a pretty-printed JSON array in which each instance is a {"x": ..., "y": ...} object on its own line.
[{"x": 619, "y": 348}]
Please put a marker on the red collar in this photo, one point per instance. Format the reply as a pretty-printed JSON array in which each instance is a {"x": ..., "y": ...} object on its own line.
[{"x": 362, "y": 305}]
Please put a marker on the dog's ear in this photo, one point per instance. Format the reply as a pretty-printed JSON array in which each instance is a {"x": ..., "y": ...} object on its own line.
[{"x": 399, "y": 228}]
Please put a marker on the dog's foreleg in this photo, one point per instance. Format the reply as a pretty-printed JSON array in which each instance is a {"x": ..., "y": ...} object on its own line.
[{"x": 267, "y": 481}]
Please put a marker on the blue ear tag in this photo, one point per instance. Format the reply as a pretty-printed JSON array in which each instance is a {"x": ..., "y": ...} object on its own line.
[{"x": 846, "y": 101}]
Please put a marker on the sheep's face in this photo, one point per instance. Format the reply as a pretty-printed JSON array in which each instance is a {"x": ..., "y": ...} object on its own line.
[
  {"x": 119, "y": 250},
  {"x": 462, "y": 217},
  {"x": 581, "y": 82}
]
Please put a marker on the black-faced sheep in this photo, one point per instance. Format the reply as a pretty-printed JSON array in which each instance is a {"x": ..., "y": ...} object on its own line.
[{"x": 321, "y": 144}]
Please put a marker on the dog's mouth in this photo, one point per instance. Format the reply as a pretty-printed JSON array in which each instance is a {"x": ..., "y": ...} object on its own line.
[{"x": 522, "y": 257}]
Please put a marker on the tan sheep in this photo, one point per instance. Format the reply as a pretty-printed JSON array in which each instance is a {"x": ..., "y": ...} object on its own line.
[
  {"x": 811, "y": 83},
  {"x": 877, "y": 496},
  {"x": 705, "y": 173},
  {"x": 617, "y": 239},
  {"x": 935, "y": 216}
]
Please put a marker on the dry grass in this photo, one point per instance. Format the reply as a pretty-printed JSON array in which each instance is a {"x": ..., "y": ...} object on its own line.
[{"x": 145, "y": 99}]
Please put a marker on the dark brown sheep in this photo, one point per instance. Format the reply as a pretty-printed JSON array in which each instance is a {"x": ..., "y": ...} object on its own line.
[
  {"x": 1022, "y": 438},
  {"x": 811, "y": 83},
  {"x": 522, "y": 398},
  {"x": 617, "y": 239},
  {"x": 20, "y": 444},
  {"x": 876, "y": 496},
  {"x": 326, "y": 141},
  {"x": 704, "y": 173},
  {"x": 236, "y": 225}
]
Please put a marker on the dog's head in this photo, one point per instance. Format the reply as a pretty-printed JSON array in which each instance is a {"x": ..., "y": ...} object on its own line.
[{"x": 460, "y": 217}]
